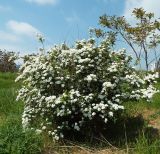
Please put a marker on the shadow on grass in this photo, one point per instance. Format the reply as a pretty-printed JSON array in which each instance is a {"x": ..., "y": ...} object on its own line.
[{"x": 125, "y": 130}]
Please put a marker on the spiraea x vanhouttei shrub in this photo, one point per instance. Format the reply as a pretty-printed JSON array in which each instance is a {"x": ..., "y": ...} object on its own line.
[{"x": 68, "y": 87}]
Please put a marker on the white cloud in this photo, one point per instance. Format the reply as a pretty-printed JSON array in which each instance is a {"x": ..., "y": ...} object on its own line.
[
  {"x": 43, "y": 2},
  {"x": 148, "y": 5},
  {"x": 19, "y": 37},
  {"x": 22, "y": 28},
  {"x": 6, "y": 36}
]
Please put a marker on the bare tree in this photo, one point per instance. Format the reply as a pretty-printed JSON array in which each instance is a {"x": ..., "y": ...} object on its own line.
[{"x": 142, "y": 37}]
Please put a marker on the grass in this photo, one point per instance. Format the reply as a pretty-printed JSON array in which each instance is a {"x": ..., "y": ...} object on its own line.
[
  {"x": 13, "y": 140},
  {"x": 136, "y": 133},
  {"x": 144, "y": 146},
  {"x": 8, "y": 95},
  {"x": 7, "y": 80}
]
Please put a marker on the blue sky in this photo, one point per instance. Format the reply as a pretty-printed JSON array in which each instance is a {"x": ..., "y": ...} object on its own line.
[{"x": 57, "y": 20}]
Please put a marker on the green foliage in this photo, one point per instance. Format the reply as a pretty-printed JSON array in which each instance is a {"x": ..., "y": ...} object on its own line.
[{"x": 7, "y": 63}]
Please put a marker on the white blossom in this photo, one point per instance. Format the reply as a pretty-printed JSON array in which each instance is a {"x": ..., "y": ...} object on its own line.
[{"x": 86, "y": 81}]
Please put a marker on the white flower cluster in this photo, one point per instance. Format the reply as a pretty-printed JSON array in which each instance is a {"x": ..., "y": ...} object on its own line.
[{"x": 69, "y": 87}]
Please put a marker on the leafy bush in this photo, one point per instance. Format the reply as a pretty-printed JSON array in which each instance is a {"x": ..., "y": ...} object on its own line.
[
  {"x": 69, "y": 88},
  {"x": 7, "y": 64}
]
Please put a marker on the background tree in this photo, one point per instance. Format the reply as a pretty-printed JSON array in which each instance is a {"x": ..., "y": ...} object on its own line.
[
  {"x": 7, "y": 63},
  {"x": 142, "y": 36}
]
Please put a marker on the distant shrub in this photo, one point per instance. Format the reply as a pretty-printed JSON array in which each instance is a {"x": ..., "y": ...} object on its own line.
[
  {"x": 7, "y": 64},
  {"x": 68, "y": 88}
]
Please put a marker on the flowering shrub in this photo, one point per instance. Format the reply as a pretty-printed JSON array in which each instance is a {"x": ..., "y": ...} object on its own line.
[{"x": 69, "y": 87}]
